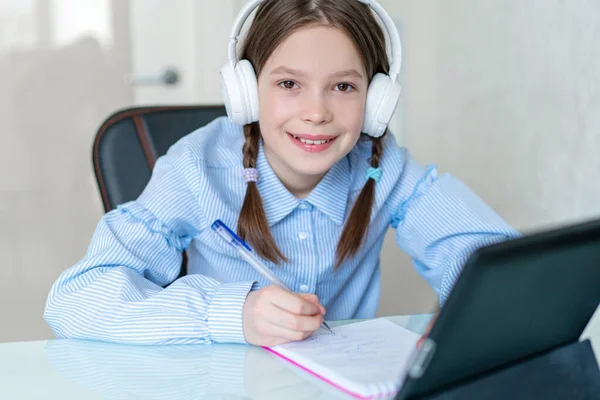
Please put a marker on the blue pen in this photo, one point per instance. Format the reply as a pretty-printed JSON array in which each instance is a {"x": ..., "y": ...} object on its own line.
[{"x": 248, "y": 254}]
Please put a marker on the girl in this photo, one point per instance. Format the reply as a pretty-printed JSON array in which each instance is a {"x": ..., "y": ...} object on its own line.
[{"x": 312, "y": 185}]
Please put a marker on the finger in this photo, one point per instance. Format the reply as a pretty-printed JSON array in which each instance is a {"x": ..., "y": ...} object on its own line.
[
  {"x": 294, "y": 322},
  {"x": 283, "y": 335},
  {"x": 313, "y": 298},
  {"x": 294, "y": 304}
]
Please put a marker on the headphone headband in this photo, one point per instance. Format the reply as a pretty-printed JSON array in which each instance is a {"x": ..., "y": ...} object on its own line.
[{"x": 388, "y": 23}]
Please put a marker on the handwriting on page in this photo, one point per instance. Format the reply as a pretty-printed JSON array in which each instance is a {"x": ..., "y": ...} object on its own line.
[
  {"x": 360, "y": 350},
  {"x": 350, "y": 345}
]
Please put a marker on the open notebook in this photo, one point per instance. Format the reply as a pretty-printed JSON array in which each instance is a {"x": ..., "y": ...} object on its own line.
[{"x": 364, "y": 359}]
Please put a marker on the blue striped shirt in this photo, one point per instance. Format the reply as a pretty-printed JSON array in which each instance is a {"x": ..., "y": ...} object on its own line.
[{"x": 125, "y": 288}]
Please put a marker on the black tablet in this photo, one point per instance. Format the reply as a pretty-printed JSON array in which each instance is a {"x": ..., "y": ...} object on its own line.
[{"x": 513, "y": 300}]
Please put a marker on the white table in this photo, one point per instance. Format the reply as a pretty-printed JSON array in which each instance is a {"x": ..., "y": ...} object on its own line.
[{"x": 78, "y": 370}]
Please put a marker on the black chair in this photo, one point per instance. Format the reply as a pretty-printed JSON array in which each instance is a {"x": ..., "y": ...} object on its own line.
[{"x": 129, "y": 142}]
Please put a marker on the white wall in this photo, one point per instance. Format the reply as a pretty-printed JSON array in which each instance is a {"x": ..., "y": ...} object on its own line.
[
  {"x": 505, "y": 95},
  {"x": 60, "y": 76}
]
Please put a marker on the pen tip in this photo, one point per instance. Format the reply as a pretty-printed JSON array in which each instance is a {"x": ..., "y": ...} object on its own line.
[{"x": 328, "y": 328}]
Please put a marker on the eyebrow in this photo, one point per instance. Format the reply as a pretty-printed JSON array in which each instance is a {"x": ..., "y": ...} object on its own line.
[{"x": 345, "y": 73}]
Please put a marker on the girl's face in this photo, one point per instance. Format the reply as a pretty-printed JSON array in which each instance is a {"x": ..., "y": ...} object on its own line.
[{"x": 312, "y": 92}]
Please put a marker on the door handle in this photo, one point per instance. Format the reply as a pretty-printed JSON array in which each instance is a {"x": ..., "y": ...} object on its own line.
[{"x": 169, "y": 76}]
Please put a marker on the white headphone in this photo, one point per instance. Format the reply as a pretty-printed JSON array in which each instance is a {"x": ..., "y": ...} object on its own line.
[{"x": 240, "y": 89}]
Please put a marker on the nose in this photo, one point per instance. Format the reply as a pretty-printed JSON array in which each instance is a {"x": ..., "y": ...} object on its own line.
[{"x": 316, "y": 109}]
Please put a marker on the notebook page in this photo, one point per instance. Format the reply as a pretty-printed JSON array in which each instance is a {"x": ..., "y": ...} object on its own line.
[{"x": 364, "y": 358}]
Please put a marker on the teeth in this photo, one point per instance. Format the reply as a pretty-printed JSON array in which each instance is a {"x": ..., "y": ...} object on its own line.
[{"x": 307, "y": 141}]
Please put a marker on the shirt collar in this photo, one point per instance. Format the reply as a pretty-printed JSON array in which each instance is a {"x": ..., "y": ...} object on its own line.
[
  {"x": 330, "y": 196},
  {"x": 278, "y": 202}
]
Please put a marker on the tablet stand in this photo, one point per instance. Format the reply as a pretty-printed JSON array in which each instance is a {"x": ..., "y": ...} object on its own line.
[{"x": 568, "y": 372}]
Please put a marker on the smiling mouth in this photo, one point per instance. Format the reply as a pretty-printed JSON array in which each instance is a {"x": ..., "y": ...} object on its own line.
[{"x": 308, "y": 141}]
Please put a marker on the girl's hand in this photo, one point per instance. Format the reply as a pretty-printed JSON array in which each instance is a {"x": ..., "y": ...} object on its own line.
[{"x": 273, "y": 316}]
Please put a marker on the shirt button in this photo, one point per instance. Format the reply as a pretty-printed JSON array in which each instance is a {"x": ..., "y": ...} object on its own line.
[
  {"x": 303, "y": 288},
  {"x": 303, "y": 235},
  {"x": 303, "y": 205}
]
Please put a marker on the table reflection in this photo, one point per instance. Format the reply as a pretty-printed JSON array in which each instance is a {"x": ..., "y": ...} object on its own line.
[{"x": 182, "y": 372}]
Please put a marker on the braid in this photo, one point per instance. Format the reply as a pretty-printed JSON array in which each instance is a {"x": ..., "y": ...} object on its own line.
[
  {"x": 357, "y": 225},
  {"x": 253, "y": 226},
  {"x": 250, "y": 148}
]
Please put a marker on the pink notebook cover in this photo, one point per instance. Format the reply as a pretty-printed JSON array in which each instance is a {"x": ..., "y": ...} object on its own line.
[{"x": 355, "y": 395}]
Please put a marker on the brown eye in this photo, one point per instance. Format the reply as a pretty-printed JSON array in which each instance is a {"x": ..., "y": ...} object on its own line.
[
  {"x": 288, "y": 84},
  {"x": 344, "y": 87}
]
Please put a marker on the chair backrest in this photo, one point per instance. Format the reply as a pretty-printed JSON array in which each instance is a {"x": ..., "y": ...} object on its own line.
[{"x": 129, "y": 141}]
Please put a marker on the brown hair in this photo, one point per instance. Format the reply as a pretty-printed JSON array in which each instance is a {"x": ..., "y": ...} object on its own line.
[{"x": 274, "y": 21}]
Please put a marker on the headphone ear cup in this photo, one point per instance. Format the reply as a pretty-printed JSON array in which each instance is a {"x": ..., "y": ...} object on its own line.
[
  {"x": 247, "y": 76},
  {"x": 375, "y": 95},
  {"x": 232, "y": 95},
  {"x": 382, "y": 97}
]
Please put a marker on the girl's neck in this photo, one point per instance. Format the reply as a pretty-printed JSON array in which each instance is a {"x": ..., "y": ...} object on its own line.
[{"x": 298, "y": 185}]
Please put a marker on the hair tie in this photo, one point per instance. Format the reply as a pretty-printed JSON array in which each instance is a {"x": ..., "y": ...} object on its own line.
[
  {"x": 374, "y": 173},
  {"x": 250, "y": 175}
]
